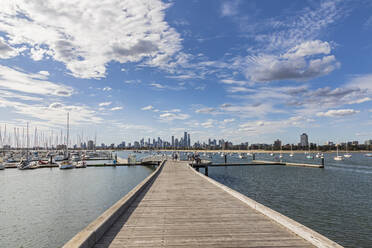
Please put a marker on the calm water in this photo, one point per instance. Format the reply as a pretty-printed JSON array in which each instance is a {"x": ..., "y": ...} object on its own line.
[
  {"x": 47, "y": 207},
  {"x": 335, "y": 201}
]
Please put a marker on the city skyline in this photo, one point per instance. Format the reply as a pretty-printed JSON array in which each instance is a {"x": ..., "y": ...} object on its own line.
[{"x": 243, "y": 71}]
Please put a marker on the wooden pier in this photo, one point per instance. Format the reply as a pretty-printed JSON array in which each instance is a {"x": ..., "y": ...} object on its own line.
[{"x": 179, "y": 207}]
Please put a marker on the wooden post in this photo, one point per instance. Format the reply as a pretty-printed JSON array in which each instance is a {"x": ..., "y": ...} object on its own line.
[
  {"x": 254, "y": 156},
  {"x": 206, "y": 170},
  {"x": 323, "y": 161},
  {"x": 225, "y": 158}
]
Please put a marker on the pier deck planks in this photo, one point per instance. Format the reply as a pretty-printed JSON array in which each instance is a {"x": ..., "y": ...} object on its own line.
[{"x": 182, "y": 209}]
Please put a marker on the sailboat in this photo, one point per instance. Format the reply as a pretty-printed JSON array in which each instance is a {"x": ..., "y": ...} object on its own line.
[
  {"x": 25, "y": 163},
  {"x": 309, "y": 155},
  {"x": 338, "y": 158},
  {"x": 66, "y": 164},
  {"x": 242, "y": 156},
  {"x": 272, "y": 153},
  {"x": 347, "y": 155},
  {"x": 280, "y": 155},
  {"x": 318, "y": 154},
  {"x": 291, "y": 154}
]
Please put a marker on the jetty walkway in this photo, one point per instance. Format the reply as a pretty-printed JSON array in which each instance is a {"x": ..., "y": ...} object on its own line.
[{"x": 179, "y": 207}]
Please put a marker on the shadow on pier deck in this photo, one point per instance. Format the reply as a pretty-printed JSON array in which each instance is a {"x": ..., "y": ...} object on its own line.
[{"x": 179, "y": 207}]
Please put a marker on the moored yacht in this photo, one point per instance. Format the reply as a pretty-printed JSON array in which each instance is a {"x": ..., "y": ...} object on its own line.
[
  {"x": 64, "y": 165},
  {"x": 338, "y": 157},
  {"x": 80, "y": 164}
]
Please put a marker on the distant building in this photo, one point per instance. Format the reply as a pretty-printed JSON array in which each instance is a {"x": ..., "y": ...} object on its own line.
[
  {"x": 188, "y": 140},
  {"x": 277, "y": 144},
  {"x": 304, "y": 140},
  {"x": 90, "y": 145},
  {"x": 368, "y": 142},
  {"x": 185, "y": 139},
  {"x": 172, "y": 141}
]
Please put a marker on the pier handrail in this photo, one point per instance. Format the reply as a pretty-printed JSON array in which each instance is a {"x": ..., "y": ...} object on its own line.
[
  {"x": 304, "y": 232},
  {"x": 88, "y": 237}
]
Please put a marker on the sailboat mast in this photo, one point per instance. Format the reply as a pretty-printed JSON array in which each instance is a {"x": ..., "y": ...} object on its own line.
[
  {"x": 68, "y": 127},
  {"x": 27, "y": 144}
]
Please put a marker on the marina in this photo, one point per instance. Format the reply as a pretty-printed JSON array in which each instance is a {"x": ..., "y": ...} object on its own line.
[{"x": 236, "y": 175}]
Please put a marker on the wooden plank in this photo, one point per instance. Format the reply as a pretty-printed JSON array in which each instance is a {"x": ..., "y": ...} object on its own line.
[{"x": 181, "y": 209}]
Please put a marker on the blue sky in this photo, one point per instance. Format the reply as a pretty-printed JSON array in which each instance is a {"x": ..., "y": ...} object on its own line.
[{"x": 239, "y": 70}]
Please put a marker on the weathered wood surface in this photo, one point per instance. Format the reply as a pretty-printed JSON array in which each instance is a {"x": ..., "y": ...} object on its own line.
[{"x": 182, "y": 209}]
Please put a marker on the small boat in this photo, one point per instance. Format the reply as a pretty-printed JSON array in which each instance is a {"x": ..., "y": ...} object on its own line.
[
  {"x": 272, "y": 154},
  {"x": 242, "y": 156},
  {"x": 347, "y": 155},
  {"x": 338, "y": 157},
  {"x": 64, "y": 165},
  {"x": 318, "y": 155},
  {"x": 24, "y": 165},
  {"x": 80, "y": 164},
  {"x": 41, "y": 162},
  {"x": 33, "y": 165},
  {"x": 368, "y": 155},
  {"x": 310, "y": 156},
  {"x": 291, "y": 154},
  {"x": 75, "y": 157},
  {"x": 2, "y": 167},
  {"x": 59, "y": 158}
]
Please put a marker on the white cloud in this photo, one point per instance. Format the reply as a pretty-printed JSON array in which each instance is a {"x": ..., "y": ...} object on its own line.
[
  {"x": 149, "y": 107},
  {"x": 116, "y": 108},
  {"x": 158, "y": 86},
  {"x": 361, "y": 100},
  {"x": 45, "y": 73},
  {"x": 53, "y": 114},
  {"x": 162, "y": 86},
  {"x": 207, "y": 110},
  {"x": 237, "y": 82},
  {"x": 338, "y": 112},
  {"x": 11, "y": 79},
  {"x": 239, "y": 89},
  {"x": 266, "y": 126},
  {"x": 6, "y": 51},
  {"x": 228, "y": 120},
  {"x": 137, "y": 81},
  {"x": 107, "y": 88},
  {"x": 297, "y": 63},
  {"x": 173, "y": 116},
  {"x": 86, "y": 35},
  {"x": 208, "y": 124},
  {"x": 230, "y": 8},
  {"x": 103, "y": 104},
  {"x": 362, "y": 82},
  {"x": 308, "y": 48}
]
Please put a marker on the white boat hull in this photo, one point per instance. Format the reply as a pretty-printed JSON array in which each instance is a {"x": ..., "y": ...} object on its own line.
[{"x": 66, "y": 166}]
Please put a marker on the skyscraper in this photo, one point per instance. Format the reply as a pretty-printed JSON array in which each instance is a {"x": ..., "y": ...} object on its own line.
[
  {"x": 188, "y": 141},
  {"x": 304, "y": 140},
  {"x": 185, "y": 139},
  {"x": 172, "y": 141}
]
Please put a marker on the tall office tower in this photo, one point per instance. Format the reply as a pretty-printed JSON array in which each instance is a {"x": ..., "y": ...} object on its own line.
[
  {"x": 188, "y": 141},
  {"x": 185, "y": 139},
  {"x": 304, "y": 140}
]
